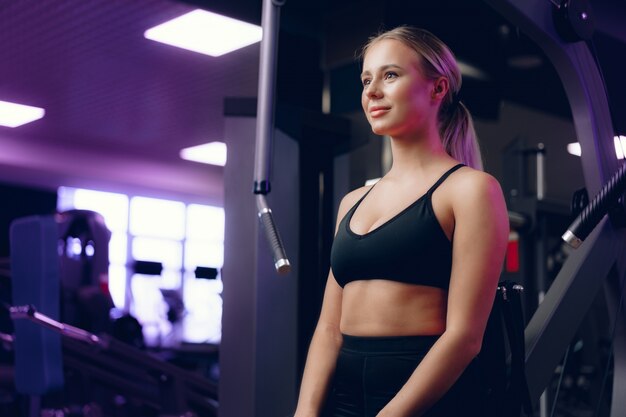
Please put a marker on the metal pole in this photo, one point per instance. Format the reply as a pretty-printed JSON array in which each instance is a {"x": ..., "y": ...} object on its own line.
[{"x": 265, "y": 129}]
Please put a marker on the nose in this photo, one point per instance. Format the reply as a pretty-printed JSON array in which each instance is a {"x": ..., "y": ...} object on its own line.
[{"x": 373, "y": 90}]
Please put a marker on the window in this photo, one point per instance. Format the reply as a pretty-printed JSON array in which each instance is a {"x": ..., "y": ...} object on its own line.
[{"x": 181, "y": 237}]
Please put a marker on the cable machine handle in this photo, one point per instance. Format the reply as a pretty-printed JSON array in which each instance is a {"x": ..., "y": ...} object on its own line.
[
  {"x": 596, "y": 209},
  {"x": 265, "y": 129}
]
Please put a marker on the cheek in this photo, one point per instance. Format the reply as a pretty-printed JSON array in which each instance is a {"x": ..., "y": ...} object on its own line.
[{"x": 364, "y": 102}]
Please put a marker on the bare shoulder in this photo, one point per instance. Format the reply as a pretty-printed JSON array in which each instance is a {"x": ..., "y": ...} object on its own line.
[
  {"x": 475, "y": 186},
  {"x": 350, "y": 200},
  {"x": 477, "y": 201}
]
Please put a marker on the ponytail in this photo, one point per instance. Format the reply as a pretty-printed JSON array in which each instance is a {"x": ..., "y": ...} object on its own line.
[{"x": 458, "y": 136}]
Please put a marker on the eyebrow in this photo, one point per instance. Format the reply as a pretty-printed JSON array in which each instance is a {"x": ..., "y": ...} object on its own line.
[{"x": 383, "y": 68}]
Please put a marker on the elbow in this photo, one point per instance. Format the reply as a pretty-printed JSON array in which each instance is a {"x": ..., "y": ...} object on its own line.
[
  {"x": 467, "y": 344},
  {"x": 473, "y": 340},
  {"x": 330, "y": 332},
  {"x": 474, "y": 346},
  {"x": 470, "y": 346},
  {"x": 474, "y": 343}
]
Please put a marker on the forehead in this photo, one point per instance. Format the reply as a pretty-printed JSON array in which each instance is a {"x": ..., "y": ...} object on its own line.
[{"x": 387, "y": 52}]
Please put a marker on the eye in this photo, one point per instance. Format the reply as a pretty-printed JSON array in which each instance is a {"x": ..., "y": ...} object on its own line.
[
  {"x": 390, "y": 75},
  {"x": 366, "y": 82}
]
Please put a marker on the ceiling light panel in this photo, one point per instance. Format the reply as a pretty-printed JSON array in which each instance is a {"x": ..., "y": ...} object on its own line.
[
  {"x": 206, "y": 33},
  {"x": 14, "y": 114},
  {"x": 213, "y": 153}
]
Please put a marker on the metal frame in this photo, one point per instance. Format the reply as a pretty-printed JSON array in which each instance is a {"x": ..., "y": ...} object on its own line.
[
  {"x": 265, "y": 128},
  {"x": 129, "y": 371},
  {"x": 559, "y": 315}
]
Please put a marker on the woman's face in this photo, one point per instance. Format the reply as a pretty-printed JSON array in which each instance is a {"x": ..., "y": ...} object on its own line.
[{"x": 397, "y": 99}]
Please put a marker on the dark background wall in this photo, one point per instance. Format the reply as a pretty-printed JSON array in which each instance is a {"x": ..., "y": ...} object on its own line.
[{"x": 16, "y": 202}]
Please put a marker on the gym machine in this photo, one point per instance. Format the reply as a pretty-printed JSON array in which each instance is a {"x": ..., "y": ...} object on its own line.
[
  {"x": 561, "y": 28},
  {"x": 77, "y": 372},
  {"x": 599, "y": 261}
]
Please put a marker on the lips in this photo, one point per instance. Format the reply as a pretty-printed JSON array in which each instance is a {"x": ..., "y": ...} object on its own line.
[{"x": 378, "y": 111}]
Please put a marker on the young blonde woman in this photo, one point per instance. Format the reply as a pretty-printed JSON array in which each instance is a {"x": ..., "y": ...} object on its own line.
[{"x": 416, "y": 257}]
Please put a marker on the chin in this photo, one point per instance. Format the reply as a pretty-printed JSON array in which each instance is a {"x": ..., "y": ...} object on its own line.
[{"x": 378, "y": 130}]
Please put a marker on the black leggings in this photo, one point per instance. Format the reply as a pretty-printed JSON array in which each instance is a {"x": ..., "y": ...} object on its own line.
[{"x": 371, "y": 370}]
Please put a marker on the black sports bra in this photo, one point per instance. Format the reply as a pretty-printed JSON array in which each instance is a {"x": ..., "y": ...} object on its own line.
[{"x": 411, "y": 247}]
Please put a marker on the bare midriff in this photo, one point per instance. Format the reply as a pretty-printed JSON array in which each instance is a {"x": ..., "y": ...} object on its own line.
[{"x": 390, "y": 308}]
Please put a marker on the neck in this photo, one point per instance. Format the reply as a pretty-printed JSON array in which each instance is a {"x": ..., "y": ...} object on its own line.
[{"x": 416, "y": 154}]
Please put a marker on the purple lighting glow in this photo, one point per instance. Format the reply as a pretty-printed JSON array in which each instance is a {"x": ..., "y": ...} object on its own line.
[
  {"x": 206, "y": 33},
  {"x": 14, "y": 115}
]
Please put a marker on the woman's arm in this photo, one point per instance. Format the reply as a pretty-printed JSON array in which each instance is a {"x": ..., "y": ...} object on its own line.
[
  {"x": 327, "y": 339},
  {"x": 322, "y": 356},
  {"x": 480, "y": 237}
]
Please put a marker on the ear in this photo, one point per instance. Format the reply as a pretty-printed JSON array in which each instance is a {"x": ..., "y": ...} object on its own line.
[{"x": 440, "y": 88}]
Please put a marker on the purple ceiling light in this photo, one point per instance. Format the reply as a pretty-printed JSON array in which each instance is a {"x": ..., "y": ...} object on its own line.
[
  {"x": 205, "y": 32},
  {"x": 213, "y": 153},
  {"x": 14, "y": 114}
]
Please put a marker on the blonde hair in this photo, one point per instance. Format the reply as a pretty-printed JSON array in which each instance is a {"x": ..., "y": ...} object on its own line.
[{"x": 455, "y": 121}]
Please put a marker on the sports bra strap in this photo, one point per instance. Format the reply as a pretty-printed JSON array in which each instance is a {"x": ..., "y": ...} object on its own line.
[
  {"x": 428, "y": 193},
  {"x": 363, "y": 196},
  {"x": 443, "y": 178}
]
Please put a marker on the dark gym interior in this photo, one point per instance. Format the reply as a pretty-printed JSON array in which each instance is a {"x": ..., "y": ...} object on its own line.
[{"x": 155, "y": 269}]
